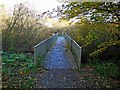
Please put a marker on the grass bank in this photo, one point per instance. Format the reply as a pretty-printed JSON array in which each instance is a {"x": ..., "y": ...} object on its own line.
[
  {"x": 18, "y": 70},
  {"x": 101, "y": 74}
]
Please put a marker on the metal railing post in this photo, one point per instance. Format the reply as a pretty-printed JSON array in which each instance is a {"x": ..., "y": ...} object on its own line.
[
  {"x": 35, "y": 57},
  {"x": 42, "y": 48},
  {"x": 75, "y": 49},
  {"x": 71, "y": 44}
]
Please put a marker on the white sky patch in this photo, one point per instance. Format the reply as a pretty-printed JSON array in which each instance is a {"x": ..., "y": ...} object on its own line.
[
  {"x": 48, "y": 24},
  {"x": 38, "y": 5}
]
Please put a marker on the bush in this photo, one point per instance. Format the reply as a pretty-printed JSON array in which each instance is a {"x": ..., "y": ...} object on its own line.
[
  {"x": 98, "y": 40},
  {"x": 18, "y": 71},
  {"x": 23, "y": 30},
  {"x": 108, "y": 70}
]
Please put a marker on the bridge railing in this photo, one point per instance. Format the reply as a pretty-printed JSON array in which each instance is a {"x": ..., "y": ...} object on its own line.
[
  {"x": 42, "y": 48},
  {"x": 75, "y": 49}
]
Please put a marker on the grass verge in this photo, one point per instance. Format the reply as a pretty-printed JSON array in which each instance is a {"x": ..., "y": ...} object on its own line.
[
  {"x": 18, "y": 70},
  {"x": 100, "y": 74}
]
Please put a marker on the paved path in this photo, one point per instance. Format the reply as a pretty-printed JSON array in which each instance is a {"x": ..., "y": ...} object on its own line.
[
  {"x": 59, "y": 57},
  {"x": 61, "y": 78},
  {"x": 60, "y": 64}
]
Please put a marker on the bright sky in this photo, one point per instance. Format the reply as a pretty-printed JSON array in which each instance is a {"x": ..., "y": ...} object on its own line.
[{"x": 39, "y": 5}]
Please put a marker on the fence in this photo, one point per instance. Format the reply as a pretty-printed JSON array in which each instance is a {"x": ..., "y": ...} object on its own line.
[
  {"x": 75, "y": 48},
  {"x": 42, "y": 48}
]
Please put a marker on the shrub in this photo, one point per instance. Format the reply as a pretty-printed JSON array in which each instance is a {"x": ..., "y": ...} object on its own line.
[
  {"x": 18, "y": 71},
  {"x": 97, "y": 39}
]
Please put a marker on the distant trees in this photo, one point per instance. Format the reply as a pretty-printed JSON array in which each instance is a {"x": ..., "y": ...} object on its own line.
[{"x": 22, "y": 30}]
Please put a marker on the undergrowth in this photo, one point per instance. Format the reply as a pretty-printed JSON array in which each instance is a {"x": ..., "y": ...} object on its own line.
[
  {"x": 106, "y": 69},
  {"x": 101, "y": 74},
  {"x": 18, "y": 70}
]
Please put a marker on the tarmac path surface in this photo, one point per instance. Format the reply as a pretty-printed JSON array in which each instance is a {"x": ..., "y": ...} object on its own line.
[{"x": 60, "y": 66}]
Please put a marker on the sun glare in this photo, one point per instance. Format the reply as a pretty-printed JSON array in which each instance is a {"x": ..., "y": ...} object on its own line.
[{"x": 38, "y": 6}]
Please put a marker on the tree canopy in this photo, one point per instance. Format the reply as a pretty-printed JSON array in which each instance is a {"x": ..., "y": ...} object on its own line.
[{"x": 96, "y": 11}]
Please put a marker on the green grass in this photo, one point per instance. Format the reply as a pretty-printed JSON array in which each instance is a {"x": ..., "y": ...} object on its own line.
[
  {"x": 100, "y": 74},
  {"x": 105, "y": 69},
  {"x": 18, "y": 70},
  {"x": 40, "y": 60}
]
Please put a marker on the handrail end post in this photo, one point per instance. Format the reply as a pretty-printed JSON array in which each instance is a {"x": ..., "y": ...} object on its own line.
[
  {"x": 35, "y": 57},
  {"x": 71, "y": 44},
  {"x": 80, "y": 58}
]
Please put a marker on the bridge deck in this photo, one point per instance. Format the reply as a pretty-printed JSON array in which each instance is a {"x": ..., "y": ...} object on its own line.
[
  {"x": 59, "y": 56},
  {"x": 60, "y": 64}
]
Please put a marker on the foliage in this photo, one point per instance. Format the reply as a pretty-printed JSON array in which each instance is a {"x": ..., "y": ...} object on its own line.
[
  {"x": 18, "y": 70},
  {"x": 23, "y": 29},
  {"x": 97, "y": 11},
  {"x": 107, "y": 70},
  {"x": 100, "y": 75},
  {"x": 98, "y": 40},
  {"x": 40, "y": 60}
]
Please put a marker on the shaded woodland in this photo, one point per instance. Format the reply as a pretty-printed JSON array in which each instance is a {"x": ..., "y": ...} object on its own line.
[{"x": 95, "y": 26}]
